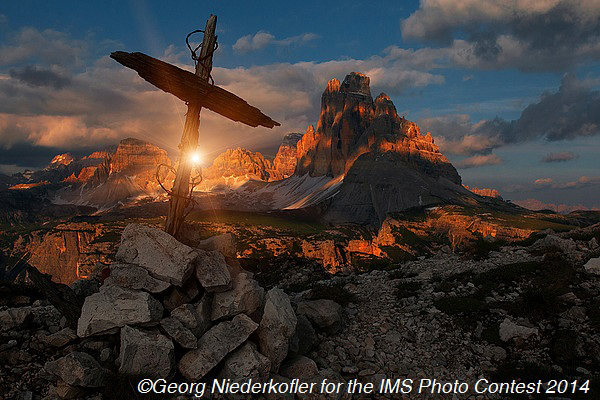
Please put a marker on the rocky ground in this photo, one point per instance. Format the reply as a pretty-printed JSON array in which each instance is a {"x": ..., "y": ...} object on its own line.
[{"x": 527, "y": 312}]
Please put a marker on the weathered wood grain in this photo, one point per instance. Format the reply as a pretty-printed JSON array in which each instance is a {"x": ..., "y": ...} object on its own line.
[{"x": 193, "y": 89}]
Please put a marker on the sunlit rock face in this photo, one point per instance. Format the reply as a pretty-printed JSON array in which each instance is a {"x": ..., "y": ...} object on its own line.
[
  {"x": 139, "y": 159},
  {"x": 385, "y": 161},
  {"x": 485, "y": 192},
  {"x": 234, "y": 167},
  {"x": 285, "y": 160},
  {"x": 62, "y": 159},
  {"x": 352, "y": 124}
]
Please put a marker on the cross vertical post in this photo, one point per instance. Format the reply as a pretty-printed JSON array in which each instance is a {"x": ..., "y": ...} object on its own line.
[{"x": 189, "y": 141}]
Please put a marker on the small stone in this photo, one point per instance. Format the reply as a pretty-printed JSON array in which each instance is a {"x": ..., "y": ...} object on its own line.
[
  {"x": 146, "y": 353},
  {"x": 178, "y": 332},
  {"x": 15, "y": 318},
  {"x": 134, "y": 277},
  {"x": 181, "y": 295},
  {"x": 305, "y": 337},
  {"x": 78, "y": 369},
  {"x": 325, "y": 314},
  {"x": 212, "y": 271},
  {"x": 593, "y": 266},
  {"x": 299, "y": 367},
  {"x": 60, "y": 338},
  {"x": 214, "y": 346},
  {"x": 509, "y": 330},
  {"x": 246, "y": 297},
  {"x": 245, "y": 363}
]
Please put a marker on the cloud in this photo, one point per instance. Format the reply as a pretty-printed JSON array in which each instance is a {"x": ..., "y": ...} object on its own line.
[
  {"x": 261, "y": 40},
  {"x": 581, "y": 182},
  {"x": 39, "y": 76},
  {"x": 571, "y": 112},
  {"x": 559, "y": 157},
  {"x": 479, "y": 161},
  {"x": 536, "y": 205},
  {"x": 544, "y": 182},
  {"x": 57, "y": 106},
  {"x": 48, "y": 47},
  {"x": 527, "y": 34}
]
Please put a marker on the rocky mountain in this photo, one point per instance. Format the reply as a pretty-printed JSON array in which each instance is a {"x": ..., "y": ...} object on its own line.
[
  {"x": 485, "y": 192},
  {"x": 364, "y": 161},
  {"x": 235, "y": 167},
  {"x": 286, "y": 158},
  {"x": 130, "y": 172}
]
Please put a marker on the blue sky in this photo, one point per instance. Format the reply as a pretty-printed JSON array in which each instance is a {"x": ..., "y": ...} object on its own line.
[{"x": 451, "y": 65}]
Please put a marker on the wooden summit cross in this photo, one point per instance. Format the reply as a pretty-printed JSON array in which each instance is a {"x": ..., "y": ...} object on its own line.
[{"x": 197, "y": 92}]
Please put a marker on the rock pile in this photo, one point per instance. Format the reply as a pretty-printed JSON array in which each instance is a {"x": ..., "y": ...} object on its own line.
[{"x": 170, "y": 311}]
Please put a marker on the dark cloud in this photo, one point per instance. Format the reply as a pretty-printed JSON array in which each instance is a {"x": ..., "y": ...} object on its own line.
[
  {"x": 38, "y": 76},
  {"x": 571, "y": 112},
  {"x": 530, "y": 35},
  {"x": 25, "y": 154},
  {"x": 559, "y": 157}
]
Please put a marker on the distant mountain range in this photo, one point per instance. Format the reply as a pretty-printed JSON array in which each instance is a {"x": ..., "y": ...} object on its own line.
[{"x": 361, "y": 163}]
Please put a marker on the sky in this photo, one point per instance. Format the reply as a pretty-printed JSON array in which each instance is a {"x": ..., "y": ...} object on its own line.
[{"x": 510, "y": 90}]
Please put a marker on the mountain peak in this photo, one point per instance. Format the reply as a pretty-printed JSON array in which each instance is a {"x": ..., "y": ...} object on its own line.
[
  {"x": 356, "y": 83},
  {"x": 62, "y": 159},
  {"x": 333, "y": 86}
]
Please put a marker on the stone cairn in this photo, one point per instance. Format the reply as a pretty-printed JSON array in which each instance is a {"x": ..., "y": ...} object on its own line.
[{"x": 171, "y": 311}]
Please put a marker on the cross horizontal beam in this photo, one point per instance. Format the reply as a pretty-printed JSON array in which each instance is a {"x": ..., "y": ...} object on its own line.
[{"x": 191, "y": 88}]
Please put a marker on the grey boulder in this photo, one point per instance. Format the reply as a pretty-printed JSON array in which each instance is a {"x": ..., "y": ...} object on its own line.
[
  {"x": 212, "y": 271},
  {"x": 178, "y": 332},
  {"x": 135, "y": 277},
  {"x": 114, "y": 307},
  {"x": 325, "y": 314},
  {"x": 277, "y": 327},
  {"x": 78, "y": 369},
  {"x": 246, "y": 297},
  {"x": 215, "y": 345},
  {"x": 245, "y": 363},
  {"x": 161, "y": 254},
  {"x": 146, "y": 353}
]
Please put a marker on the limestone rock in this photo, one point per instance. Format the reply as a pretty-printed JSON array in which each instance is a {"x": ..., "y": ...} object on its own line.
[
  {"x": 214, "y": 346},
  {"x": 567, "y": 246},
  {"x": 299, "y": 367},
  {"x": 146, "y": 353},
  {"x": 244, "y": 363},
  {"x": 78, "y": 369},
  {"x": 60, "y": 338},
  {"x": 114, "y": 307},
  {"x": 134, "y": 277},
  {"x": 212, "y": 271},
  {"x": 304, "y": 338},
  {"x": 14, "y": 318},
  {"x": 277, "y": 327},
  {"x": 224, "y": 244},
  {"x": 325, "y": 314},
  {"x": 178, "y": 296},
  {"x": 247, "y": 296},
  {"x": 593, "y": 266},
  {"x": 195, "y": 317},
  {"x": 155, "y": 250},
  {"x": 178, "y": 332},
  {"x": 510, "y": 330}
]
